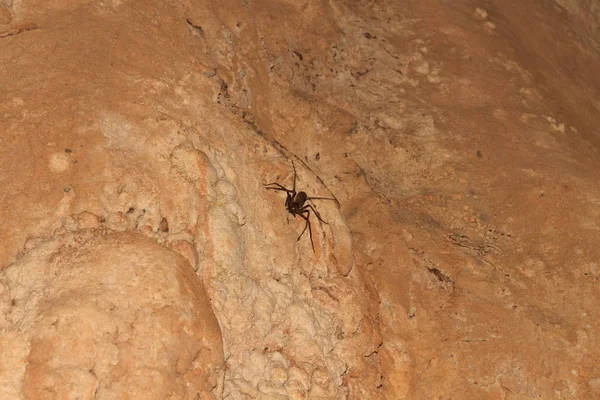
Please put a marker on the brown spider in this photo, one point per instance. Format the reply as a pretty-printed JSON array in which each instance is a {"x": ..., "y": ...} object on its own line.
[{"x": 295, "y": 204}]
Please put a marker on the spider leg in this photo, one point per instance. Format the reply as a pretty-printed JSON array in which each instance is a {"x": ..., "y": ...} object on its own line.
[
  {"x": 288, "y": 200},
  {"x": 301, "y": 214},
  {"x": 324, "y": 198},
  {"x": 316, "y": 213},
  {"x": 307, "y": 218},
  {"x": 321, "y": 198},
  {"x": 294, "y": 166},
  {"x": 278, "y": 186}
]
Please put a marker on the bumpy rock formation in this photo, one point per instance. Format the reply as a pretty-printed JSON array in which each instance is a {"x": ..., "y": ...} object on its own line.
[
  {"x": 141, "y": 256},
  {"x": 107, "y": 315}
]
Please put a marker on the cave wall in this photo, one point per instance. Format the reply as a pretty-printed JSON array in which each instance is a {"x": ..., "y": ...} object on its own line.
[{"x": 141, "y": 254}]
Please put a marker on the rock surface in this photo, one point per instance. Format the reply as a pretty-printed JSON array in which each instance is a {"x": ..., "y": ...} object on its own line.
[
  {"x": 141, "y": 255},
  {"x": 93, "y": 315}
]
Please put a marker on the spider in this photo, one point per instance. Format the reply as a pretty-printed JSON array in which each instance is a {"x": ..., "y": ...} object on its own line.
[{"x": 295, "y": 204}]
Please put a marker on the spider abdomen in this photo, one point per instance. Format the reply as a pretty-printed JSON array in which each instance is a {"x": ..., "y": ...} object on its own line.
[{"x": 300, "y": 199}]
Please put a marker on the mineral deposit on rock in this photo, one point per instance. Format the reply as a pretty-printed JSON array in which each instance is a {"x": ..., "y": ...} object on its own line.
[{"x": 142, "y": 258}]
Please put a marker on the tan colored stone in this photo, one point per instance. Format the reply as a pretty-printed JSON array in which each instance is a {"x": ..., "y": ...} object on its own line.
[
  {"x": 460, "y": 141},
  {"x": 109, "y": 316}
]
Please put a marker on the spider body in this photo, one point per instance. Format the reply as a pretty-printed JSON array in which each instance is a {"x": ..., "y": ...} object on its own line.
[{"x": 295, "y": 204}]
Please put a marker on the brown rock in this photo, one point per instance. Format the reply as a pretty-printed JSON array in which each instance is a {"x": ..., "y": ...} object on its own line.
[
  {"x": 110, "y": 316},
  {"x": 459, "y": 139}
]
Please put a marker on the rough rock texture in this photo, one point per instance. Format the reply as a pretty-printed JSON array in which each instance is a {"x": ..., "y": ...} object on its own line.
[
  {"x": 141, "y": 256},
  {"x": 94, "y": 315}
]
